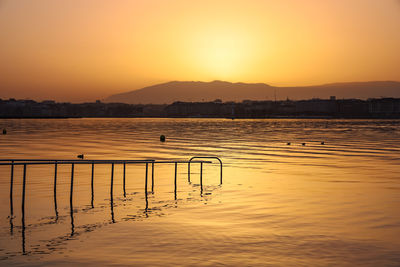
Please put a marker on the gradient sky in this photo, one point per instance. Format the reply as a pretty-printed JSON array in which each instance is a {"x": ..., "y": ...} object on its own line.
[{"x": 80, "y": 50}]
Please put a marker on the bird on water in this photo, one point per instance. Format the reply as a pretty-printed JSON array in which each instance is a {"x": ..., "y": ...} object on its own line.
[{"x": 81, "y": 156}]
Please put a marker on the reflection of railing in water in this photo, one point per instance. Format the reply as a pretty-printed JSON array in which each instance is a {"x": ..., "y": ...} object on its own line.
[{"x": 26, "y": 162}]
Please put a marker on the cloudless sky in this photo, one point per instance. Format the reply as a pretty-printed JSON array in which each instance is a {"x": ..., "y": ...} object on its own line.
[{"x": 80, "y": 50}]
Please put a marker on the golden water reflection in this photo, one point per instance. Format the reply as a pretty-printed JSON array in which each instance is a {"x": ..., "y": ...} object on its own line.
[{"x": 280, "y": 204}]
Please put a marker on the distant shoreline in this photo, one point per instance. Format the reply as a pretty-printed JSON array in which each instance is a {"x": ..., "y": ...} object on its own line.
[
  {"x": 196, "y": 117},
  {"x": 382, "y": 108}
]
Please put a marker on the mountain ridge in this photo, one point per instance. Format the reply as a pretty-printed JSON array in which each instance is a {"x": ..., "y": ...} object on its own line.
[{"x": 195, "y": 91}]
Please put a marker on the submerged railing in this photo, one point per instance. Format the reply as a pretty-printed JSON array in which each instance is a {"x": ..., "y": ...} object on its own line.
[{"x": 26, "y": 162}]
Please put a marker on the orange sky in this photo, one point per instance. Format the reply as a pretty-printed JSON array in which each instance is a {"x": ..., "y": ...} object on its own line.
[{"x": 79, "y": 50}]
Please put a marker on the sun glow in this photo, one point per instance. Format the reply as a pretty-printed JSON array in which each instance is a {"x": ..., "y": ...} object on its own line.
[{"x": 222, "y": 53}]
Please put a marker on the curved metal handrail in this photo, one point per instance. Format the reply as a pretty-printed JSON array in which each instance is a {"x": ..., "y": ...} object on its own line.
[{"x": 204, "y": 157}]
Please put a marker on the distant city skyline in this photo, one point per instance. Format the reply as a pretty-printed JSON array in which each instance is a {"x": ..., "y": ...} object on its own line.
[{"x": 86, "y": 50}]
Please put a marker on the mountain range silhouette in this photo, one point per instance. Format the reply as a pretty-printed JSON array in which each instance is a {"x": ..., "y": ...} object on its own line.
[{"x": 195, "y": 91}]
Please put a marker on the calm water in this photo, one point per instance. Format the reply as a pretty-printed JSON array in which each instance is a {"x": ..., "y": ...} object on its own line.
[{"x": 312, "y": 205}]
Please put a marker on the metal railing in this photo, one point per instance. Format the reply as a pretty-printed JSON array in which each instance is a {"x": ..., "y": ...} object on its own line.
[
  {"x": 26, "y": 162},
  {"x": 201, "y": 167}
]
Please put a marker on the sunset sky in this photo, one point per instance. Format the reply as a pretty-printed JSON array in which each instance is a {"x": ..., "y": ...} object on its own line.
[{"x": 79, "y": 50}]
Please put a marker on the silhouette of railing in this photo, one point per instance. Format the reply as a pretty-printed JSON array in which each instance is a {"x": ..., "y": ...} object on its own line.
[
  {"x": 26, "y": 162},
  {"x": 201, "y": 167}
]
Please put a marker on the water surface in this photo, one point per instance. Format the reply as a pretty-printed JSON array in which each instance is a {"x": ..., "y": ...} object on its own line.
[{"x": 331, "y": 204}]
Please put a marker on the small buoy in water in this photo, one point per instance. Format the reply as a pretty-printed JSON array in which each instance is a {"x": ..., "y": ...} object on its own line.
[
  {"x": 303, "y": 144},
  {"x": 4, "y": 131},
  {"x": 322, "y": 143},
  {"x": 288, "y": 143},
  {"x": 81, "y": 156},
  {"x": 162, "y": 138}
]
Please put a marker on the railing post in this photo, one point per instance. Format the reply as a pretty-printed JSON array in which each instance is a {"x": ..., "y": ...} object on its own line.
[
  {"x": 71, "y": 206},
  {"x": 112, "y": 193},
  {"x": 71, "y": 192},
  {"x": 112, "y": 180},
  {"x": 220, "y": 182},
  {"x": 189, "y": 171},
  {"x": 11, "y": 189},
  {"x": 176, "y": 171},
  {"x": 145, "y": 189},
  {"x": 124, "y": 171},
  {"x": 92, "y": 185},
  {"x": 147, "y": 170},
  {"x": 152, "y": 177},
  {"x": 11, "y": 198},
  {"x": 55, "y": 189},
  {"x": 23, "y": 209},
  {"x": 201, "y": 177}
]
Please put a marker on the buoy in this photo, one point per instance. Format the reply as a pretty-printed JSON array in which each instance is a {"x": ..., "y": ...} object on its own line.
[
  {"x": 4, "y": 131},
  {"x": 322, "y": 143},
  {"x": 81, "y": 156},
  {"x": 162, "y": 138},
  {"x": 303, "y": 144},
  {"x": 288, "y": 143}
]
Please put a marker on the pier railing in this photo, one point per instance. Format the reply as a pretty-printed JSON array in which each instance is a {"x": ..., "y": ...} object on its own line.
[
  {"x": 201, "y": 166},
  {"x": 27, "y": 162}
]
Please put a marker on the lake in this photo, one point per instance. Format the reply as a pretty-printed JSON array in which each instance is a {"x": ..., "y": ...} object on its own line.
[{"x": 280, "y": 204}]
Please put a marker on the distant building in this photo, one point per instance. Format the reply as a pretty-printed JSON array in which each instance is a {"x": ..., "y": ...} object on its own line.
[
  {"x": 384, "y": 107},
  {"x": 343, "y": 108}
]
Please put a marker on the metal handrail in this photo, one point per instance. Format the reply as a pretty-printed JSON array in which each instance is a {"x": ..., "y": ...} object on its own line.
[
  {"x": 204, "y": 157},
  {"x": 25, "y": 162},
  {"x": 98, "y": 162},
  {"x": 78, "y": 160}
]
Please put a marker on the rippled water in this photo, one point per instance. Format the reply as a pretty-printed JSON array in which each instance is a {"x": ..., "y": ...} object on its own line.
[{"x": 279, "y": 204}]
